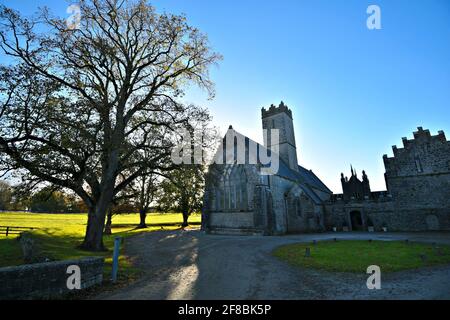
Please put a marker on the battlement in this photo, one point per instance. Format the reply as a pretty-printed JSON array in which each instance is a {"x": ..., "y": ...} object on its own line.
[
  {"x": 424, "y": 154},
  {"x": 420, "y": 136},
  {"x": 273, "y": 110}
]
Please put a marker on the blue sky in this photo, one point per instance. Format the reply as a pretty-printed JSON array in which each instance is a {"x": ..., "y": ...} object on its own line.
[{"x": 354, "y": 92}]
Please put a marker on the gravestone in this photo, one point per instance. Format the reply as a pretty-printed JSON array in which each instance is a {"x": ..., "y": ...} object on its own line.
[{"x": 28, "y": 248}]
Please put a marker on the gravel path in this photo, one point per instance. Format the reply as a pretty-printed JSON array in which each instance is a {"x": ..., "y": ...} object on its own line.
[{"x": 192, "y": 265}]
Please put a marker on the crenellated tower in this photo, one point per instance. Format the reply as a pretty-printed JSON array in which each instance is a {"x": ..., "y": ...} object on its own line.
[
  {"x": 281, "y": 118},
  {"x": 419, "y": 173}
]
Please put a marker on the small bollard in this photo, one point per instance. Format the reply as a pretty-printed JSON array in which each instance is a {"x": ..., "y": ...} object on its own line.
[
  {"x": 314, "y": 242},
  {"x": 423, "y": 257},
  {"x": 115, "y": 265},
  {"x": 307, "y": 253}
]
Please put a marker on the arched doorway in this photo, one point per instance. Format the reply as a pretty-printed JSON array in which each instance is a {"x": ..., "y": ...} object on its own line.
[
  {"x": 432, "y": 223},
  {"x": 356, "y": 220}
]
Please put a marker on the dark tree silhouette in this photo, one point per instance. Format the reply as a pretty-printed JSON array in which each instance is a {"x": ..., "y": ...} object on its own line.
[
  {"x": 78, "y": 107},
  {"x": 182, "y": 191}
]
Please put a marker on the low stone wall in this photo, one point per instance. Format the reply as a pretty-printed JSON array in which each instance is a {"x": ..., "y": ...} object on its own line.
[{"x": 47, "y": 280}]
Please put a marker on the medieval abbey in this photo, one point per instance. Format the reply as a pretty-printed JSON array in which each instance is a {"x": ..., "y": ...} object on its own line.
[{"x": 241, "y": 199}]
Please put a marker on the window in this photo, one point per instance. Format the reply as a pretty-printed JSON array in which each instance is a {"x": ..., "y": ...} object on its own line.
[
  {"x": 298, "y": 207},
  {"x": 218, "y": 200},
  {"x": 233, "y": 197},
  {"x": 233, "y": 190},
  {"x": 418, "y": 165},
  {"x": 225, "y": 198}
]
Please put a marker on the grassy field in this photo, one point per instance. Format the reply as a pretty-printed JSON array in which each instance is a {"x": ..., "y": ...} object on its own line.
[
  {"x": 58, "y": 235},
  {"x": 356, "y": 256}
]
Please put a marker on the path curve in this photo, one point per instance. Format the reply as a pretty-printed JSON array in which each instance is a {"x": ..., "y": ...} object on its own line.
[{"x": 193, "y": 265}]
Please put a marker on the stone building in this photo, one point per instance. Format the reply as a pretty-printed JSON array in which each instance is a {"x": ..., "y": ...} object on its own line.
[
  {"x": 417, "y": 196},
  {"x": 240, "y": 198}
]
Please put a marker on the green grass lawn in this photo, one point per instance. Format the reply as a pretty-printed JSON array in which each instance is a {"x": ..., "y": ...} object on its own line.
[
  {"x": 356, "y": 256},
  {"x": 58, "y": 235}
]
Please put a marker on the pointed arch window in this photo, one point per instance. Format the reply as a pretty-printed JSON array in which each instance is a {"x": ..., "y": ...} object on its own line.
[
  {"x": 231, "y": 194},
  {"x": 298, "y": 207}
]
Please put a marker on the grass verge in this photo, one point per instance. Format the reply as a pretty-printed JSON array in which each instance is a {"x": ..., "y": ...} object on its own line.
[{"x": 356, "y": 256}]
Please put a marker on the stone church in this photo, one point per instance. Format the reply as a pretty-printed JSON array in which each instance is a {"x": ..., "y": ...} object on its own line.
[{"x": 241, "y": 198}]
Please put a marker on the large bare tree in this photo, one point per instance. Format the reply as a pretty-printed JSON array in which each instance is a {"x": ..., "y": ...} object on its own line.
[{"x": 77, "y": 106}]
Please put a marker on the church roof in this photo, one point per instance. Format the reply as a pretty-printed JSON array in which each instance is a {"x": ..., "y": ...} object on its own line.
[
  {"x": 313, "y": 180},
  {"x": 306, "y": 177}
]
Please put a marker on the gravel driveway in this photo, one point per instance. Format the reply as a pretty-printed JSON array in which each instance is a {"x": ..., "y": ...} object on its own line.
[{"x": 193, "y": 265}]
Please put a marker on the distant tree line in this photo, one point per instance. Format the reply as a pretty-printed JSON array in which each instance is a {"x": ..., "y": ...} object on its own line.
[{"x": 164, "y": 197}]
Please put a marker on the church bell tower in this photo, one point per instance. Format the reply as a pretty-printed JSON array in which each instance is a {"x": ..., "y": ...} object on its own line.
[{"x": 281, "y": 118}]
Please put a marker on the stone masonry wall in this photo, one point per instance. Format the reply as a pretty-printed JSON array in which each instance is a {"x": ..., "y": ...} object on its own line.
[
  {"x": 47, "y": 280},
  {"x": 418, "y": 177},
  {"x": 380, "y": 212},
  {"x": 418, "y": 182}
]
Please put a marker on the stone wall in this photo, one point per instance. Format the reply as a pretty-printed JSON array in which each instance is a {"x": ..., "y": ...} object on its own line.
[
  {"x": 231, "y": 220},
  {"x": 418, "y": 195},
  {"x": 47, "y": 280},
  {"x": 380, "y": 212},
  {"x": 418, "y": 176},
  {"x": 302, "y": 213},
  {"x": 425, "y": 154},
  {"x": 386, "y": 214}
]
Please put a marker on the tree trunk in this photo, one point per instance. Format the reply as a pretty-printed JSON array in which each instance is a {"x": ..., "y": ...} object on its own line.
[
  {"x": 93, "y": 240},
  {"x": 185, "y": 219},
  {"x": 108, "y": 230},
  {"x": 143, "y": 216}
]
